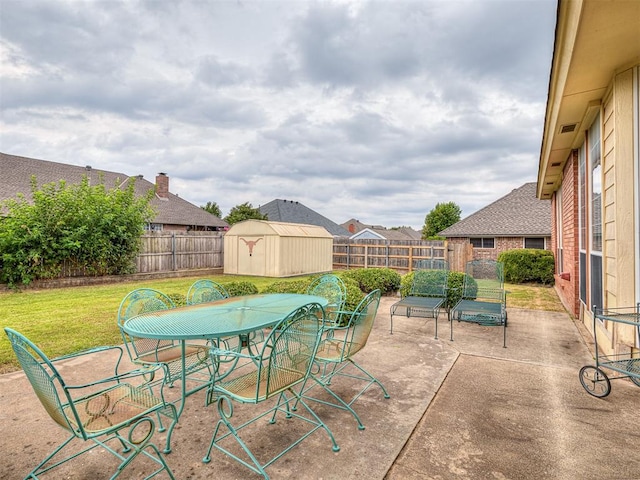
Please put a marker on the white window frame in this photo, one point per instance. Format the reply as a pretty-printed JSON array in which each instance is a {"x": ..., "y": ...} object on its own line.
[{"x": 594, "y": 179}]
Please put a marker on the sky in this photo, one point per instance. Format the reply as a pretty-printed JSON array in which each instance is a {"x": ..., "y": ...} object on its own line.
[{"x": 373, "y": 110}]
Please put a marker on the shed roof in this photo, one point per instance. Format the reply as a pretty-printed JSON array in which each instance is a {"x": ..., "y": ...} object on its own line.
[
  {"x": 282, "y": 229},
  {"x": 518, "y": 214}
]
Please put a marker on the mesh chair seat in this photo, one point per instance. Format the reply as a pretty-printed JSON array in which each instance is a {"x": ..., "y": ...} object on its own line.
[{"x": 111, "y": 408}]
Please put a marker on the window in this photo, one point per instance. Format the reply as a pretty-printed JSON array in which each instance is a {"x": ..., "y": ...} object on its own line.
[
  {"x": 153, "y": 227},
  {"x": 534, "y": 243},
  {"x": 482, "y": 242},
  {"x": 582, "y": 218},
  {"x": 595, "y": 162}
]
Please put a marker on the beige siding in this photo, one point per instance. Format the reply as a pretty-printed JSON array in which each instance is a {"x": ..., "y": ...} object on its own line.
[
  {"x": 624, "y": 200},
  {"x": 618, "y": 211}
]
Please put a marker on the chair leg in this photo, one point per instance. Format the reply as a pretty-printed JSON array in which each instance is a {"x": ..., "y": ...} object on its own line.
[
  {"x": 325, "y": 381},
  {"x": 341, "y": 403},
  {"x": 225, "y": 411}
]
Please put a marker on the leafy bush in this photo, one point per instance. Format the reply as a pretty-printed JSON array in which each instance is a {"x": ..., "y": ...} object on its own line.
[
  {"x": 354, "y": 294},
  {"x": 284, "y": 286},
  {"x": 370, "y": 279},
  {"x": 79, "y": 227},
  {"x": 237, "y": 289},
  {"x": 178, "y": 299},
  {"x": 528, "y": 265},
  {"x": 454, "y": 286}
]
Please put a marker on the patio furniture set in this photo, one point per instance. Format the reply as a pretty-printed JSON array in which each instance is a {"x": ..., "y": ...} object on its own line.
[
  {"x": 270, "y": 351},
  {"x": 482, "y": 295}
]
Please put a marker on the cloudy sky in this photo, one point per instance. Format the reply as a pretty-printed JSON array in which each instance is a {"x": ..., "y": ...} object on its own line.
[{"x": 375, "y": 110}]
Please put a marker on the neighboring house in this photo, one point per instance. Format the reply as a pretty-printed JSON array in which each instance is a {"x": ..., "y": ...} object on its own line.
[
  {"x": 590, "y": 162},
  {"x": 290, "y": 211},
  {"x": 174, "y": 213},
  {"x": 359, "y": 230},
  {"x": 517, "y": 220}
]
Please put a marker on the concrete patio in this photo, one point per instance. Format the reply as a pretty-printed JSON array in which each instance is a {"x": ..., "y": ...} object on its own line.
[{"x": 467, "y": 409}]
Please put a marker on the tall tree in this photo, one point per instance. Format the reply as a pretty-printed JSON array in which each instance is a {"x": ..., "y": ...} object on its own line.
[
  {"x": 244, "y": 211},
  {"x": 443, "y": 215},
  {"x": 213, "y": 208}
]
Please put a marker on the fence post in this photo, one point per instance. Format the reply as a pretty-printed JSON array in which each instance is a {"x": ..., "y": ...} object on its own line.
[
  {"x": 173, "y": 251},
  {"x": 410, "y": 258}
]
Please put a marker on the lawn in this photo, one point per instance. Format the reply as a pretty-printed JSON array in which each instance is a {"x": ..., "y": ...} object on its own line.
[{"x": 66, "y": 320}]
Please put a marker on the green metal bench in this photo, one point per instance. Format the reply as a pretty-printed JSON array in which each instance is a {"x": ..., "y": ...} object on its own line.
[
  {"x": 483, "y": 299},
  {"x": 428, "y": 293}
]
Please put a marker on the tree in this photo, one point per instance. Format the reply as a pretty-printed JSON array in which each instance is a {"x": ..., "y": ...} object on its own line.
[
  {"x": 443, "y": 215},
  {"x": 78, "y": 227},
  {"x": 242, "y": 212},
  {"x": 212, "y": 208}
]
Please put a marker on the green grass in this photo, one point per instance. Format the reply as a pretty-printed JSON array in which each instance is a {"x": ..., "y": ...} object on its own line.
[{"x": 66, "y": 320}]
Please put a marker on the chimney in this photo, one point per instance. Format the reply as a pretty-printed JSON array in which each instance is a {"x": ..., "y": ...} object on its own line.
[{"x": 162, "y": 185}]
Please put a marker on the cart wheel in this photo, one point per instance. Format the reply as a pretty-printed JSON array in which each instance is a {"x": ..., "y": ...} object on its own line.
[{"x": 595, "y": 381}]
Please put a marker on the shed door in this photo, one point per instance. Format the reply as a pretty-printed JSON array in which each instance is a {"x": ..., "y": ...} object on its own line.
[{"x": 251, "y": 255}]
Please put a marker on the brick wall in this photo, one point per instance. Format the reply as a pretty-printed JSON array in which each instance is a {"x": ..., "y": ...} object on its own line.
[
  {"x": 501, "y": 244},
  {"x": 567, "y": 274}
]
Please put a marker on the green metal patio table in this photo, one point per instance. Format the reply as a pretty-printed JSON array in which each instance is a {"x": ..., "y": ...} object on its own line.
[{"x": 214, "y": 320}]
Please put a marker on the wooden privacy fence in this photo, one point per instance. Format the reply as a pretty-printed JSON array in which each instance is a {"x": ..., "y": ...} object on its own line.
[
  {"x": 170, "y": 251},
  {"x": 396, "y": 254}
]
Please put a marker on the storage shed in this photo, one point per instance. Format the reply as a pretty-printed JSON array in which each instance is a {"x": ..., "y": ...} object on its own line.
[{"x": 276, "y": 249}]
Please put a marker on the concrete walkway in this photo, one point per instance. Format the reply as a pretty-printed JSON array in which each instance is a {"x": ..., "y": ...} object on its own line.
[{"x": 467, "y": 409}]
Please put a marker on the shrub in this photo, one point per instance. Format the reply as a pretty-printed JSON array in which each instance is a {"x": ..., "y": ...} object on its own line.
[
  {"x": 370, "y": 279},
  {"x": 354, "y": 294},
  {"x": 454, "y": 287},
  {"x": 528, "y": 265},
  {"x": 237, "y": 289},
  {"x": 283, "y": 286},
  {"x": 178, "y": 299},
  {"x": 80, "y": 227}
]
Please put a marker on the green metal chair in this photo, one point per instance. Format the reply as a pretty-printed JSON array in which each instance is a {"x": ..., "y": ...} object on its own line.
[
  {"x": 168, "y": 353},
  {"x": 95, "y": 412},
  {"x": 483, "y": 300},
  {"x": 205, "y": 291},
  {"x": 428, "y": 292},
  {"x": 332, "y": 288},
  {"x": 283, "y": 362},
  {"x": 336, "y": 351}
]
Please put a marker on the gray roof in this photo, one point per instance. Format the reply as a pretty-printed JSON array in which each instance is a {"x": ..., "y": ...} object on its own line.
[
  {"x": 17, "y": 172},
  {"x": 386, "y": 233},
  {"x": 290, "y": 211},
  {"x": 517, "y": 214}
]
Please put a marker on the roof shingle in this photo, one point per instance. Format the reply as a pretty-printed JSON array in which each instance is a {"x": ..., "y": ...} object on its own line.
[{"x": 519, "y": 213}]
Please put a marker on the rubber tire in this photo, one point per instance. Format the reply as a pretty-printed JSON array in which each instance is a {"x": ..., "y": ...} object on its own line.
[{"x": 589, "y": 384}]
